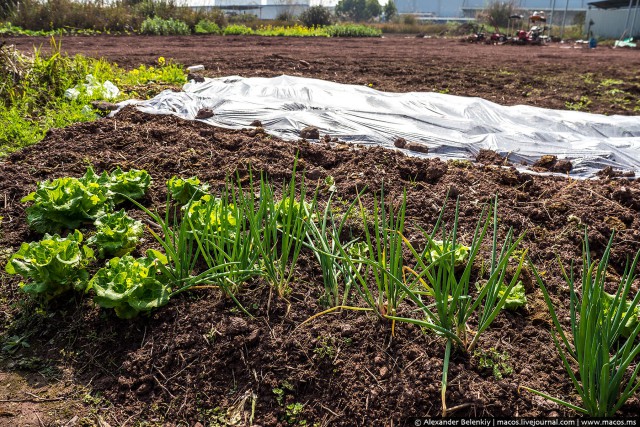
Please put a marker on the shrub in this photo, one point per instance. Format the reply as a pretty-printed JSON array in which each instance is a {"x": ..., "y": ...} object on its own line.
[
  {"x": 497, "y": 13},
  {"x": 409, "y": 20},
  {"x": 245, "y": 19},
  {"x": 205, "y": 26},
  {"x": 352, "y": 30},
  {"x": 316, "y": 16},
  {"x": 286, "y": 16},
  {"x": 164, "y": 27},
  {"x": 237, "y": 30}
]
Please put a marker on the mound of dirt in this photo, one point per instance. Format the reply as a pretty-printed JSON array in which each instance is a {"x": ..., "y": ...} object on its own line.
[{"x": 200, "y": 360}]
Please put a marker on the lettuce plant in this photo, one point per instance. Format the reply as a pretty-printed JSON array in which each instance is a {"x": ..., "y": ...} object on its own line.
[
  {"x": 631, "y": 321},
  {"x": 439, "y": 248},
  {"x": 131, "y": 285},
  {"x": 289, "y": 206},
  {"x": 66, "y": 203},
  {"x": 117, "y": 234},
  {"x": 516, "y": 297},
  {"x": 53, "y": 265},
  {"x": 132, "y": 184},
  {"x": 183, "y": 190},
  {"x": 211, "y": 214}
]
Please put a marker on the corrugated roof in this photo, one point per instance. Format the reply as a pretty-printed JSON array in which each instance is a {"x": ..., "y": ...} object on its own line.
[{"x": 611, "y": 4}]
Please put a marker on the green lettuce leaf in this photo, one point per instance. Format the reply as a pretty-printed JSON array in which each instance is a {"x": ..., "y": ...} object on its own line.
[
  {"x": 117, "y": 234},
  {"x": 516, "y": 298},
  {"x": 460, "y": 254},
  {"x": 66, "y": 203},
  {"x": 633, "y": 320},
  {"x": 185, "y": 190},
  {"x": 130, "y": 286},
  {"x": 286, "y": 207},
  {"x": 133, "y": 184},
  {"x": 211, "y": 215},
  {"x": 53, "y": 265}
]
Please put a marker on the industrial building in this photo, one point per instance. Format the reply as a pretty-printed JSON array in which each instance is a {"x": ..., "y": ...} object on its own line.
[
  {"x": 558, "y": 10},
  {"x": 614, "y": 19},
  {"x": 263, "y": 9}
]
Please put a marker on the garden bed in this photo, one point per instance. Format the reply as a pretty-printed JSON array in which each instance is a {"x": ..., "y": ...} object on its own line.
[
  {"x": 200, "y": 353},
  {"x": 200, "y": 359}
]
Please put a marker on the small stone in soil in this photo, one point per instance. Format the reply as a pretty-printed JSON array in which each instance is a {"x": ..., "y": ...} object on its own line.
[
  {"x": 310, "y": 132},
  {"x": 546, "y": 162},
  {"x": 204, "y": 113},
  {"x": 195, "y": 77},
  {"x": 400, "y": 143},
  {"x": 419, "y": 148},
  {"x": 104, "y": 106}
]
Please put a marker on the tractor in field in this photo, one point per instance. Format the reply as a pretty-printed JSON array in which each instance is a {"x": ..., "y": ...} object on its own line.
[
  {"x": 479, "y": 35},
  {"x": 534, "y": 35}
]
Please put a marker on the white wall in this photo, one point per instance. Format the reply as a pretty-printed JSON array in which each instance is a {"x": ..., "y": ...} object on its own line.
[{"x": 610, "y": 23}]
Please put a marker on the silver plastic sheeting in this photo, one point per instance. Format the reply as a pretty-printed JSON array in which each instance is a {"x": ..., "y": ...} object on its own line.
[{"x": 452, "y": 127}]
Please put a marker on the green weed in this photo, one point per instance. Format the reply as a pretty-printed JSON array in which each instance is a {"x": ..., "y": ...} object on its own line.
[
  {"x": 581, "y": 105},
  {"x": 494, "y": 361},
  {"x": 32, "y": 90}
]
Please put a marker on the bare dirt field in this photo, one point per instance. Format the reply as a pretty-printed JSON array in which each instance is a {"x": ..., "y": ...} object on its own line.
[
  {"x": 200, "y": 360},
  {"x": 547, "y": 76}
]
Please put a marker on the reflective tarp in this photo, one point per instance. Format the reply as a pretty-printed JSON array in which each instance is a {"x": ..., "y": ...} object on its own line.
[{"x": 452, "y": 127}]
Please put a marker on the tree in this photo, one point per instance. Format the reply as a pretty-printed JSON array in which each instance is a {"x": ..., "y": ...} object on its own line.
[
  {"x": 316, "y": 16},
  {"x": 373, "y": 9},
  {"x": 358, "y": 10},
  {"x": 498, "y": 12},
  {"x": 7, "y": 7},
  {"x": 389, "y": 10}
]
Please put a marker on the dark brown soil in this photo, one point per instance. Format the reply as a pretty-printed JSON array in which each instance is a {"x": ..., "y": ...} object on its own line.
[
  {"x": 199, "y": 359},
  {"x": 601, "y": 80}
]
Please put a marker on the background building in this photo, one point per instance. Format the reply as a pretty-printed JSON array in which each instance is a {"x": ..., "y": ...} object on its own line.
[
  {"x": 263, "y": 9},
  {"x": 470, "y": 8},
  {"x": 614, "y": 19}
]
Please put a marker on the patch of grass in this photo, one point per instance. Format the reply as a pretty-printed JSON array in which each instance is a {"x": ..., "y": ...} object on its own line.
[
  {"x": 32, "y": 90},
  {"x": 581, "y": 105},
  {"x": 294, "y": 31},
  {"x": 157, "y": 26},
  {"x": 206, "y": 26},
  {"x": 352, "y": 30},
  {"x": 611, "y": 82},
  {"x": 339, "y": 30},
  {"x": 237, "y": 30}
]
